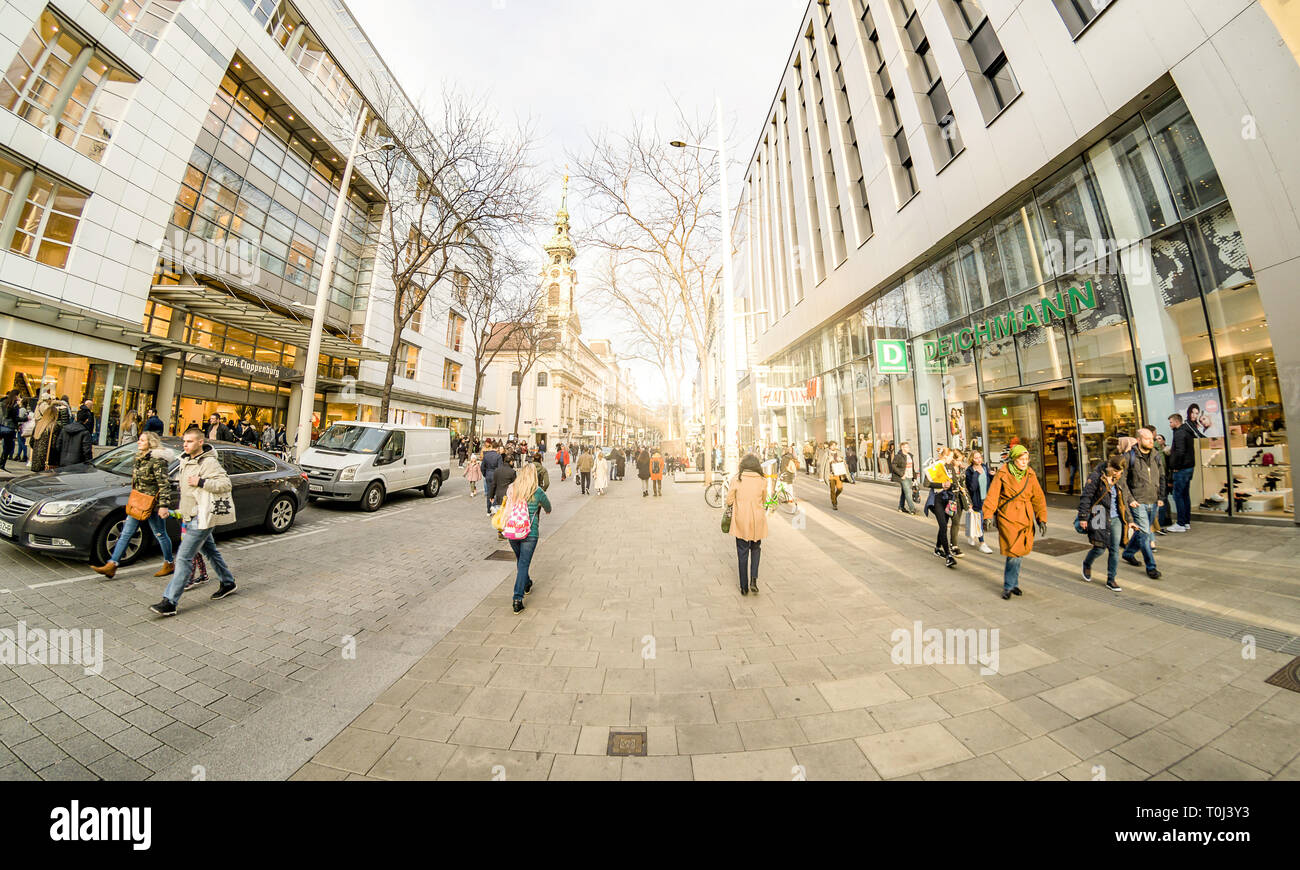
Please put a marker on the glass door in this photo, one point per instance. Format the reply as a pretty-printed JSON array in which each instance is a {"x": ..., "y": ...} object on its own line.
[
  {"x": 1012, "y": 418},
  {"x": 1060, "y": 439}
]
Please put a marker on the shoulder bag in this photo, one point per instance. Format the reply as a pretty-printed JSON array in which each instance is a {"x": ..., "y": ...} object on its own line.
[{"x": 141, "y": 506}]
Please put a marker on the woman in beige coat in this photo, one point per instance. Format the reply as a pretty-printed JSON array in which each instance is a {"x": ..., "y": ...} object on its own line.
[{"x": 748, "y": 519}]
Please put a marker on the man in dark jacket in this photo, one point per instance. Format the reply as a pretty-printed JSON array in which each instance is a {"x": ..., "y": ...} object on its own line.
[
  {"x": 154, "y": 423},
  {"x": 72, "y": 446},
  {"x": 1145, "y": 479},
  {"x": 216, "y": 431},
  {"x": 1103, "y": 517},
  {"x": 491, "y": 463},
  {"x": 901, "y": 471},
  {"x": 1182, "y": 465},
  {"x": 543, "y": 476}
]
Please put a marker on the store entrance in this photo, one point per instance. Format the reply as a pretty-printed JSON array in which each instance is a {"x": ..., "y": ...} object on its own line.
[{"x": 1041, "y": 418}]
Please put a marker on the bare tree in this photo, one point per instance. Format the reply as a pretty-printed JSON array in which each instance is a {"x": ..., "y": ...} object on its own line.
[
  {"x": 460, "y": 192},
  {"x": 499, "y": 302},
  {"x": 531, "y": 341},
  {"x": 650, "y": 307},
  {"x": 657, "y": 205}
]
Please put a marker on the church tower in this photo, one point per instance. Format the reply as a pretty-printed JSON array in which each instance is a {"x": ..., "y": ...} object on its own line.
[{"x": 559, "y": 279}]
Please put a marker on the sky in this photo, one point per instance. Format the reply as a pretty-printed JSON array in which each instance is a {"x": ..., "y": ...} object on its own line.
[{"x": 575, "y": 67}]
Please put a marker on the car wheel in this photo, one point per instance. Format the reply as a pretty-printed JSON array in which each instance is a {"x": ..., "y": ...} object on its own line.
[
  {"x": 373, "y": 497},
  {"x": 434, "y": 486},
  {"x": 106, "y": 540},
  {"x": 280, "y": 516}
]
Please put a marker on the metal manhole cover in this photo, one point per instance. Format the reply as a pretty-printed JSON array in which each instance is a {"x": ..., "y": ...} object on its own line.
[
  {"x": 1055, "y": 547},
  {"x": 626, "y": 743},
  {"x": 1288, "y": 677},
  {"x": 500, "y": 556}
]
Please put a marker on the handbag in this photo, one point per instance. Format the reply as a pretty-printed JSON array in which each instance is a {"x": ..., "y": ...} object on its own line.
[
  {"x": 141, "y": 506},
  {"x": 499, "y": 518},
  {"x": 726, "y": 520}
]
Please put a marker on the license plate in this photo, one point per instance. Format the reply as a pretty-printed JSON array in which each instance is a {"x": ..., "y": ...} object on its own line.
[
  {"x": 314, "y": 488},
  {"x": 7, "y": 529}
]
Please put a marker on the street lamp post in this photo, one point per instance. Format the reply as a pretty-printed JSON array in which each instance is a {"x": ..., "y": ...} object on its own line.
[
  {"x": 731, "y": 412},
  {"x": 308, "y": 403}
]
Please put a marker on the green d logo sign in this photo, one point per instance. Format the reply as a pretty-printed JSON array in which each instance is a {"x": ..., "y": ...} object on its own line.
[
  {"x": 891, "y": 357},
  {"x": 1157, "y": 374}
]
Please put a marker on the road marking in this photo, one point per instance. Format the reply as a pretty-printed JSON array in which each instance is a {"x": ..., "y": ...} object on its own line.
[
  {"x": 286, "y": 538},
  {"x": 387, "y": 514},
  {"x": 59, "y": 582}
]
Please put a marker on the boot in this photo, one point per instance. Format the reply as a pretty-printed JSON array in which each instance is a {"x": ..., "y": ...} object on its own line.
[
  {"x": 108, "y": 569},
  {"x": 167, "y": 569}
]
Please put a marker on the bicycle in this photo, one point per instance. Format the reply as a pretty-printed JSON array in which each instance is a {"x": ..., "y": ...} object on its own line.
[
  {"x": 715, "y": 494},
  {"x": 781, "y": 496}
]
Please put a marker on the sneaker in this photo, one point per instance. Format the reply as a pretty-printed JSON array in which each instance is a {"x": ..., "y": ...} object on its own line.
[
  {"x": 956, "y": 551},
  {"x": 1006, "y": 594},
  {"x": 1161, "y": 531},
  {"x": 1153, "y": 573},
  {"x": 951, "y": 563},
  {"x": 940, "y": 553},
  {"x": 1177, "y": 528},
  {"x": 223, "y": 590},
  {"x": 1131, "y": 560},
  {"x": 753, "y": 585},
  {"x": 1087, "y": 573},
  {"x": 984, "y": 548},
  {"x": 528, "y": 586},
  {"x": 1015, "y": 590},
  {"x": 519, "y": 604},
  {"x": 1113, "y": 586},
  {"x": 194, "y": 581},
  {"x": 164, "y": 608}
]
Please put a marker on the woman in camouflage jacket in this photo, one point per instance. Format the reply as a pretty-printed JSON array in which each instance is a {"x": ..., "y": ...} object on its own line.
[{"x": 149, "y": 476}]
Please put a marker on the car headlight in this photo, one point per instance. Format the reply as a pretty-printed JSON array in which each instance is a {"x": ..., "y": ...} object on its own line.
[
  {"x": 349, "y": 473},
  {"x": 61, "y": 508}
]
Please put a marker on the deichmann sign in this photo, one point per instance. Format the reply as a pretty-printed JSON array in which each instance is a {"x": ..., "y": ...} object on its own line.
[
  {"x": 891, "y": 356},
  {"x": 1006, "y": 325},
  {"x": 245, "y": 365}
]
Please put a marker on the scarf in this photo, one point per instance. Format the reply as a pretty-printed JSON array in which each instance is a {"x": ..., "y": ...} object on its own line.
[{"x": 1017, "y": 473}]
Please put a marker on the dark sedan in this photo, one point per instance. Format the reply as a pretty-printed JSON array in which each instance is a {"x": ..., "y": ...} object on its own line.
[{"x": 78, "y": 511}]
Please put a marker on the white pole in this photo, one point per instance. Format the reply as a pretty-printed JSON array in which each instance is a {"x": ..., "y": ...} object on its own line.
[
  {"x": 731, "y": 420},
  {"x": 308, "y": 404}
]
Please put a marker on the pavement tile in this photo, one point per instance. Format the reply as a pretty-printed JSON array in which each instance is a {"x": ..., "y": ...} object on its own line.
[
  {"x": 986, "y": 768},
  {"x": 1086, "y": 697},
  {"x": 834, "y": 760},
  {"x": 410, "y": 759},
  {"x": 983, "y": 731},
  {"x": 766, "y": 765},
  {"x": 1262, "y": 741},
  {"x": 907, "y": 714},
  {"x": 473, "y": 763},
  {"x": 353, "y": 750},
  {"x": 658, "y": 768},
  {"x": 1209, "y": 764},
  {"x": 1037, "y": 758},
  {"x": 1152, "y": 751},
  {"x": 866, "y": 691},
  {"x": 586, "y": 768},
  {"x": 912, "y": 750}
]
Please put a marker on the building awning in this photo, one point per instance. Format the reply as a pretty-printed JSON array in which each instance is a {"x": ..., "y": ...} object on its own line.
[
  {"x": 70, "y": 328},
  {"x": 255, "y": 316}
]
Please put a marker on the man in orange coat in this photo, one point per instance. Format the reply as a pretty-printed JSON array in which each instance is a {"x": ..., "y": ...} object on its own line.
[
  {"x": 657, "y": 472},
  {"x": 1016, "y": 502}
]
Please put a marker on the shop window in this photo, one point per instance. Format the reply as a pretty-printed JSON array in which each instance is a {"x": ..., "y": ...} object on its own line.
[
  {"x": 1076, "y": 232},
  {"x": 981, "y": 269},
  {"x": 1126, "y": 171},
  {"x": 1183, "y": 154},
  {"x": 1021, "y": 248}
]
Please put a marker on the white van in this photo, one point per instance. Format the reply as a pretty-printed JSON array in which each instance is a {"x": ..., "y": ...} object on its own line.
[{"x": 363, "y": 462}]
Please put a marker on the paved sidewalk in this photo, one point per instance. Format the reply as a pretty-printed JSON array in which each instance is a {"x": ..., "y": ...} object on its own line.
[{"x": 636, "y": 624}]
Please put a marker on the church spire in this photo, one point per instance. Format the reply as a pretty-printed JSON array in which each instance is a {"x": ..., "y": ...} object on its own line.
[{"x": 560, "y": 242}]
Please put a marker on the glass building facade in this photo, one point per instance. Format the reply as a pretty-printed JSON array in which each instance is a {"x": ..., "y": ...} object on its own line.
[{"x": 1115, "y": 293}]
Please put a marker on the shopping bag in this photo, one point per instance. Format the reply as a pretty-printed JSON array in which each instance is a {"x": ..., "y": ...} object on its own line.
[
  {"x": 974, "y": 525},
  {"x": 839, "y": 469}
]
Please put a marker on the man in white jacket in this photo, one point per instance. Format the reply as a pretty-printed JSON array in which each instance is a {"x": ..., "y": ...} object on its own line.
[{"x": 206, "y": 503}]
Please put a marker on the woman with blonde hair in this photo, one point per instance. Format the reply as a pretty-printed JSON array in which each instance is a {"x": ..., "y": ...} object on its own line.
[
  {"x": 525, "y": 491},
  {"x": 43, "y": 434},
  {"x": 130, "y": 427},
  {"x": 148, "y": 476}
]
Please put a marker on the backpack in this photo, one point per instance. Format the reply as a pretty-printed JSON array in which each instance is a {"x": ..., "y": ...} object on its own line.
[{"x": 518, "y": 524}]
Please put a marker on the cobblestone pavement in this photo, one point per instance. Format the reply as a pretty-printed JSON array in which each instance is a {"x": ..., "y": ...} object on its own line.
[
  {"x": 241, "y": 686},
  {"x": 636, "y": 624}
]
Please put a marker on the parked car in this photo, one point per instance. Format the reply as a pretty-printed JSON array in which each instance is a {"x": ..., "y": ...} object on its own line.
[
  {"x": 78, "y": 511},
  {"x": 363, "y": 462}
]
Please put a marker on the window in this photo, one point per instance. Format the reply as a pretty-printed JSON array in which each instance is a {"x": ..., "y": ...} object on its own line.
[
  {"x": 455, "y": 331},
  {"x": 142, "y": 20},
  {"x": 410, "y": 354},
  {"x": 1078, "y": 14},
  {"x": 541, "y": 379},
  {"x": 999, "y": 86},
  {"x": 825, "y": 157},
  {"x": 852, "y": 156},
  {"x": 240, "y": 462},
  {"x": 417, "y": 317},
  {"x": 461, "y": 283},
  {"x": 451, "y": 376},
  {"x": 35, "y": 88},
  {"x": 516, "y": 378},
  {"x": 948, "y": 142},
  {"x": 891, "y": 122},
  {"x": 48, "y": 219}
]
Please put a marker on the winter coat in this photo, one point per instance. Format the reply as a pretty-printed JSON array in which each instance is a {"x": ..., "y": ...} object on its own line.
[
  {"x": 973, "y": 485},
  {"x": 221, "y": 432},
  {"x": 213, "y": 480},
  {"x": 562, "y": 457},
  {"x": 1183, "y": 455},
  {"x": 620, "y": 462},
  {"x": 1095, "y": 505},
  {"x": 1145, "y": 476},
  {"x": 72, "y": 446},
  {"x": 1015, "y": 505},
  {"x": 600, "y": 475},
  {"x": 501, "y": 480},
  {"x": 40, "y": 447},
  {"x": 898, "y": 467},
  {"x": 490, "y": 463},
  {"x": 643, "y": 465},
  {"x": 543, "y": 476},
  {"x": 474, "y": 471},
  {"x": 149, "y": 475},
  {"x": 748, "y": 517},
  {"x": 155, "y": 424},
  {"x": 656, "y": 467},
  {"x": 586, "y": 462}
]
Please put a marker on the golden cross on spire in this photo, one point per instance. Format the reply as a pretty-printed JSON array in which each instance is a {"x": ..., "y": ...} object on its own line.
[{"x": 564, "y": 197}]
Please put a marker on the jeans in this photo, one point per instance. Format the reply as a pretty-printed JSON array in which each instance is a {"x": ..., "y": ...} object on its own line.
[
  {"x": 487, "y": 488},
  {"x": 1163, "y": 513},
  {"x": 1142, "y": 515},
  {"x": 585, "y": 478},
  {"x": 21, "y": 455},
  {"x": 905, "y": 502},
  {"x": 564, "y": 472},
  {"x": 1112, "y": 561},
  {"x": 747, "y": 554},
  {"x": 659, "y": 487},
  {"x": 9, "y": 447},
  {"x": 192, "y": 542},
  {"x": 157, "y": 525},
  {"x": 1011, "y": 574},
  {"x": 1183, "y": 494},
  {"x": 523, "y": 558}
]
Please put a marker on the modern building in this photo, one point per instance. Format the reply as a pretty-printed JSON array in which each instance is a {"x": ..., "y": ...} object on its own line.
[
  {"x": 566, "y": 390},
  {"x": 168, "y": 173},
  {"x": 1048, "y": 221}
]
